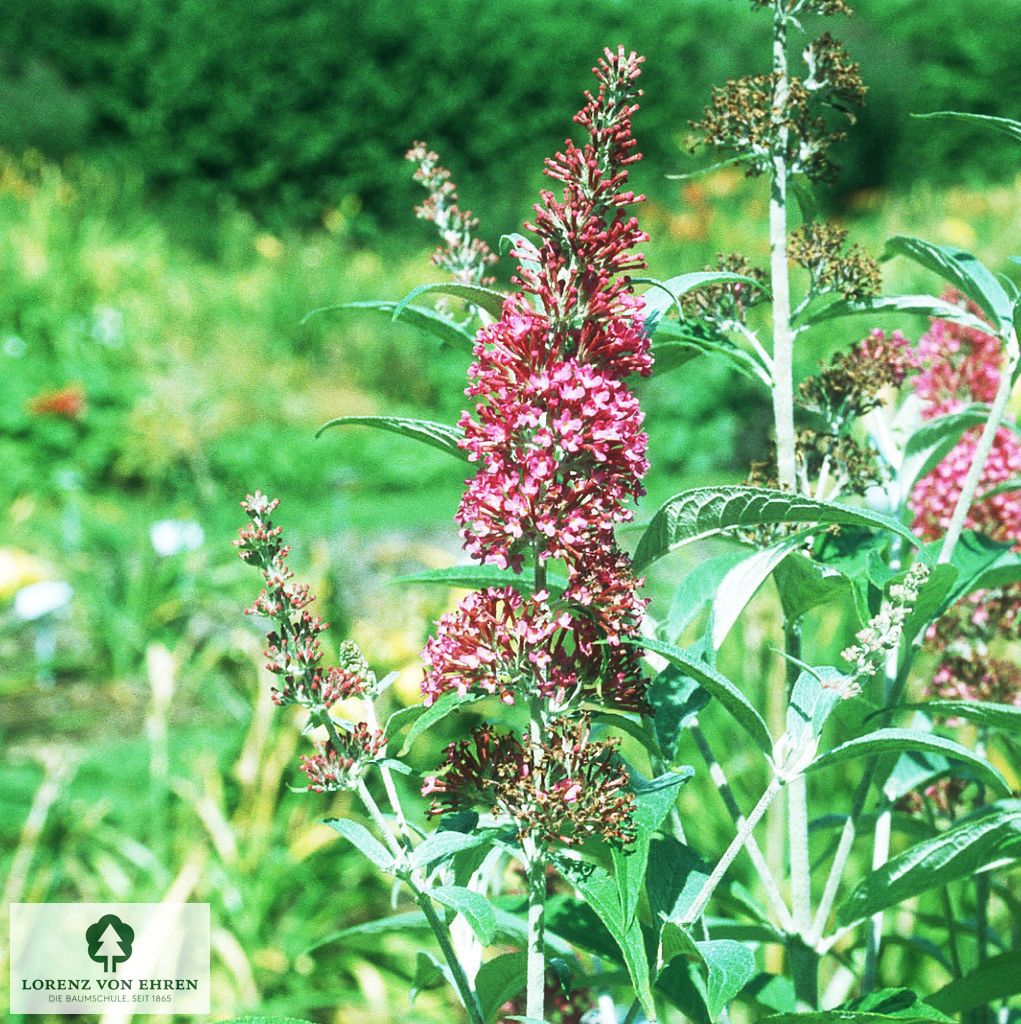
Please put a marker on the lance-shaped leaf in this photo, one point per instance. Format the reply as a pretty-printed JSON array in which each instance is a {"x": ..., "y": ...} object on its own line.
[
  {"x": 883, "y": 741},
  {"x": 472, "y": 906},
  {"x": 664, "y": 294},
  {"x": 933, "y": 441},
  {"x": 439, "y": 846},
  {"x": 988, "y": 837},
  {"x": 436, "y": 435},
  {"x": 600, "y": 892},
  {"x": 499, "y": 980},
  {"x": 360, "y": 837},
  {"x": 924, "y": 305},
  {"x": 480, "y": 577},
  {"x": 675, "y": 343},
  {"x": 731, "y": 966},
  {"x": 998, "y": 978},
  {"x": 741, "y": 584},
  {"x": 719, "y": 687},
  {"x": 704, "y": 511},
  {"x": 964, "y": 271},
  {"x": 441, "y": 327},
  {"x": 485, "y": 298},
  {"x": 1003, "y": 125},
  {"x": 1006, "y": 717}
]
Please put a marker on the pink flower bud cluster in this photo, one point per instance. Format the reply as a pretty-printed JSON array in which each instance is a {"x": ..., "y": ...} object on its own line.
[
  {"x": 294, "y": 654},
  {"x": 565, "y": 790},
  {"x": 958, "y": 366},
  {"x": 557, "y": 437},
  {"x": 339, "y": 764}
]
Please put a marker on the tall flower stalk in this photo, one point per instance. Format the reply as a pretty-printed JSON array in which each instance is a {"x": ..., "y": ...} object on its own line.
[{"x": 556, "y": 435}]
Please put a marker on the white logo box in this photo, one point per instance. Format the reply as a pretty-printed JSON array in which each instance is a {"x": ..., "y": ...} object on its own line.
[{"x": 104, "y": 957}]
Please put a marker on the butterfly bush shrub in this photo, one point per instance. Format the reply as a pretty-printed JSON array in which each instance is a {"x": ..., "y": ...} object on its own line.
[{"x": 548, "y": 852}]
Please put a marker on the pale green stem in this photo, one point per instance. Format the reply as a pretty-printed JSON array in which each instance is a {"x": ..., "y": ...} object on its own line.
[
  {"x": 850, "y": 829},
  {"x": 948, "y": 906},
  {"x": 421, "y": 897},
  {"x": 719, "y": 779},
  {"x": 783, "y": 337},
  {"x": 535, "y": 856},
  {"x": 982, "y": 450},
  {"x": 535, "y": 989},
  {"x": 740, "y": 840},
  {"x": 797, "y": 809}
]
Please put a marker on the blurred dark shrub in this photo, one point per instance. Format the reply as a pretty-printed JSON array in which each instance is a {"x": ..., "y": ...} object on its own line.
[{"x": 292, "y": 106}]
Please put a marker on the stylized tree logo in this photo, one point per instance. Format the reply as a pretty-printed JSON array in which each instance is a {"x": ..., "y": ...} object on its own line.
[{"x": 109, "y": 941}]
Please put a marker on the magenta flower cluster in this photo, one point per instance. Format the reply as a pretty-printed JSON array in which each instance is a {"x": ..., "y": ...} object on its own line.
[
  {"x": 556, "y": 435},
  {"x": 958, "y": 366}
]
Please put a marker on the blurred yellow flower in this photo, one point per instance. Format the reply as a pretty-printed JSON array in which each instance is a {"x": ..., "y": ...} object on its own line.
[
  {"x": 957, "y": 231},
  {"x": 18, "y": 569},
  {"x": 269, "y": 247}
]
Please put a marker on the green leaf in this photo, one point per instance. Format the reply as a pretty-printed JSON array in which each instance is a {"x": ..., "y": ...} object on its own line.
[
  {"x": 896, "y": 1003},
  {"x": 654, "y": 798},
  {"x": 718, "y": 687},
  {"x": 436, "y": 435},
  {"x": 811, "y": 703},
  {"x": 697, "y": 589},
  {"x": 773, "y": 991},
  {"x": 934, "y": 596},
  {"x": 804, "y": 583},
  {"x": 499, "y": 980},
  {"x": 411, "y": 921},
  {"x": 993, "y": 716},
  {"x": 962, "y": 270},
  {"x": 675, "y": 878},
  {"x": 447, "y": 703},
  {"x": 360, "y": 837},
  {"x": 440, "y": 846},
  {"x": 933, "y": 441},
  {"x": 998, "y": 978},
  {"x": 997, "y": 124},
  {"x": 885, "y": 740},
  {"x": 472, "y": 906},
  {"x": 661, "y": 295},
  {"x": 441, "y": 327},
  {"x": 429, "y": 973},
  {"x": 731, "y": 966},
  {"x": 742, "y": 583},
  {"x": 485, "y": 298},
  {"x": 984, "y": 564},
  {"x": 600, "y": 892},
  {"x": 927, "y": 305},
  {"x": 480, "y": 577},
  {"x": 990, "y": 835},
  {"x": 676, "y": 699},
  {"x": 704, "y": 511},
  {"x": 675, "y": 343}
]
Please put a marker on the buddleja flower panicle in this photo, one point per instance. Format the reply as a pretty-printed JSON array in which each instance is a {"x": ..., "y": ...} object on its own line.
[
  {"x": 819, "y": 248},
  {"x": 561, "y": 791},
  {"x": 339, "y": 765},
  {"x": 294, "y": 654},
  {"x": 463, "y": 255}
]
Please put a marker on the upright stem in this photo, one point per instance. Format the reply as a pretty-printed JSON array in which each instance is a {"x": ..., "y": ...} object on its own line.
[
  {"x": 535, "y": 990},
  {"x": 421, "y": 897},
  {"x": 773, "y": 896},
  {"x": 744, "y": 831},
  {"x": 982, "y": 450},
  {"x": 783, "y": 337},
  {"x": 797, "y": 807},
  {"x": 535, "y": 960}
]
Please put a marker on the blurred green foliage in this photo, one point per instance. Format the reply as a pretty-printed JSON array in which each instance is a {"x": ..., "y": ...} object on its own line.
[{"x": 292, "y": 108}]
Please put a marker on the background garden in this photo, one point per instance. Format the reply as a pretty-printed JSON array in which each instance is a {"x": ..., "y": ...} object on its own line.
[{"x": 180, "y": 185}]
